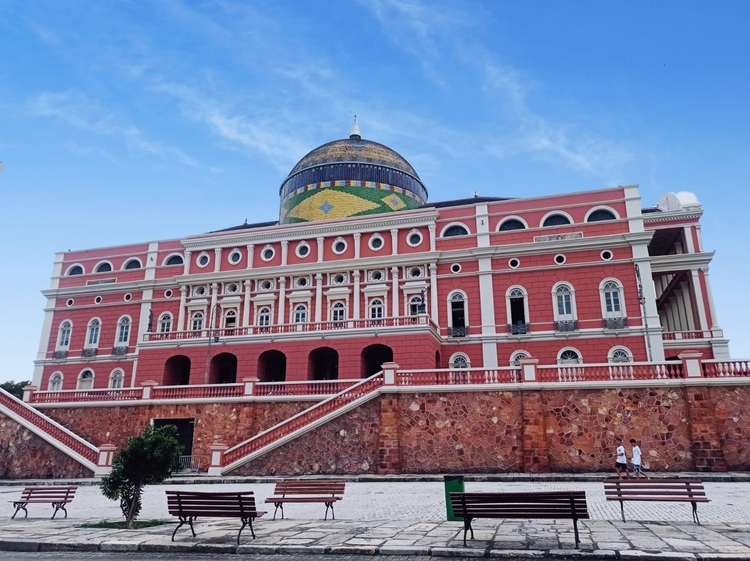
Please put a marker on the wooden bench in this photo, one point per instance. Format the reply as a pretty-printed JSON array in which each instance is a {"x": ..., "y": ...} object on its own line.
[
  {"x": 662, "y": 490},
  {"x": 188, "y": 505},
  {"x": 546, "y": 505},
  {"x": 58, "y": 497},
  {"x": 326, "y": 491}
]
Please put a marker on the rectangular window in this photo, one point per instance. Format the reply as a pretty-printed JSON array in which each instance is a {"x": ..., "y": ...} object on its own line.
[
  {"x": 612, "y": 301},
  {"x": 564, "y": 307}
]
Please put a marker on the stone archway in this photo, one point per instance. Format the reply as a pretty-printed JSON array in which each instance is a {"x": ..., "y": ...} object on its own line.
[
  {"x": 223, "y": 369},
  {"x": 373, "y": 357},
  {"x": 176, "y": 371},
  {"x": 323, "y": 364},
  {"x": 272, "y": 366}
]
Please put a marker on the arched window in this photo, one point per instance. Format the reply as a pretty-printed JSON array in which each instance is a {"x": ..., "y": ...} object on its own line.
[
  {"x": 612, "y": 299},
  {"x": 338, "y": 312},
  {"x": 55, "y": 382},
  {"x": 555, "y": 220},
  {"x": 165, "y": 323},
  {"x": 459, "y": 361},
  {"x": 197, "y": 323},
  {"x": 92, "y": 337},
  {"x": 174, "y": 260},
  {"x": 103, "y": 267},
  {"x": 376, "y": 308},
  {"x": 75, "y": 270},
  {"x": 569, "y": 356},
  {"x": 300, "y": 313},
  {"x": 457, "y": 323},
  {"x": 515, "y": 358},
  {"x": 455, "y": 230},
  {"x": 63, "y": 339},
  {"x": 600, "y": 215},
  {"x": 230, "y": 319},
  {"x": 264, "y": 317},
  {"x": 133, "y": 264},
  {"x": 517, "y": 309},
  {"x": 116, "y": 379},
  {"x": 620, "y": 354},
  {"x": 123, "y": 331},
  {"x": 416, "y": 306},
  {"x": 511, "y": 224},
  {"x": 85, "y": 380}
]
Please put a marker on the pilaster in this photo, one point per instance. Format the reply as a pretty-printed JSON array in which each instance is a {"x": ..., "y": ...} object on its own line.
[
  {"x": 535, "y": 449},
  {"x": 706, "y": 441}
]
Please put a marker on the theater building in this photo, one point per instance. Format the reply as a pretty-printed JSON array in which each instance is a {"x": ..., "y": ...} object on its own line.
[{"x": 361, "y": 270}]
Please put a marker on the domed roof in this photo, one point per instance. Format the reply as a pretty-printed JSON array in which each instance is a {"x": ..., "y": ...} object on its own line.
[{"x": 349, "y": 150}]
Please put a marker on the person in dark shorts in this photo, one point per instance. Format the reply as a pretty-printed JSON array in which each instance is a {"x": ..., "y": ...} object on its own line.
[{"x": 621, "y": 461}]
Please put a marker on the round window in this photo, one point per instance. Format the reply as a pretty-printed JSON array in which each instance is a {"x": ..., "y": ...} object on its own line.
[
  {"x": 203, "y": 260},
  {"x": 415, "y": 272},
  {"x": 559, "y": 259},
  {"x": 70, "y": 302},
  {"x": 232, "y": 288},
  {"x": 414, "y": 239},
  {"x": 606, "y": 255},
  {"x": 303, "y": 250},
  {"x": 98, "y": 300},
  {"x": 514, "y": 263},
  {"x": 339, "y": 278},
  {"x": 376, "y": 242},
  {"x": 376, "y": 276},
  {"x": 235, "y": 257},
  {"x": 128, "y": 297},
  {"x": 266, "y": 285},
  {"x": 302, "y": 281},
  {"x": 268, "y": 254},
  {"x": 339, "y": 246},
  {"x": 200, "y": 291},
  {"x": 455, "y": 268},
  {"x": 167, "y": 294}
]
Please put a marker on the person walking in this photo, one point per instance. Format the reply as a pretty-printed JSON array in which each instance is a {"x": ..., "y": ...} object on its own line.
[
  {"x": 621, "y": 462},
  {"x": 636, "y": 460}
]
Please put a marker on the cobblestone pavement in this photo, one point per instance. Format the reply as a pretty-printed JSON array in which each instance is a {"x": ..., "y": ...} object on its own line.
[{"x": 402, "y": 518}]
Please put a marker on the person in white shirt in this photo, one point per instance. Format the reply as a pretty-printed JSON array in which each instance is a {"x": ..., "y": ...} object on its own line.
[
  {"x": 636, "y": 459},
  {"x": 621, "y": 462}
]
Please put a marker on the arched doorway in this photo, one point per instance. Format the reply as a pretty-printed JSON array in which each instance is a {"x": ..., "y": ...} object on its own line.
[
  {"x": 223, "y": 369},
  {"x": 177, "y": 371},
  {"x": 272, "y": 366},
  {"x": 323, "y": 364},
  {"x": 373, "y": 358},
  {"x": 437, "y": 359}
]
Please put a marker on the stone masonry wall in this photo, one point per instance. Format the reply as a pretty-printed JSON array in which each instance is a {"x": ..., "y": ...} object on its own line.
[{"x": 732, "y": 424}]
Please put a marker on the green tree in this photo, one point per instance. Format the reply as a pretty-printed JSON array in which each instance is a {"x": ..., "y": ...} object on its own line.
[
  {"x": 15, "y": 388},
  {"x": 145, "y": 460}
]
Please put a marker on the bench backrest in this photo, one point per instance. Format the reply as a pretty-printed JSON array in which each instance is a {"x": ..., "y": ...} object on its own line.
[
  {"x": 310, "y": 487},
  {"x": 51, "y": 494},
  {"x": 645, "y": 489},
  {"x": 193, "y": 503},
  {"x": 548, "y": 504}
]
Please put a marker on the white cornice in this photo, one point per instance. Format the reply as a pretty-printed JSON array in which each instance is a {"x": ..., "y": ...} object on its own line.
[
  {"x": 671, "y": 216},
  {"x": 681, "y": 261}
]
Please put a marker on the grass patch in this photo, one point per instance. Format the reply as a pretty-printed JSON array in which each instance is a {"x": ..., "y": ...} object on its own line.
[{"x": 120, "y": 524}]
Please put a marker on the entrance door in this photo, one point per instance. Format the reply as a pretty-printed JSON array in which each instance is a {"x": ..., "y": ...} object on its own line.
[{"x": 184, "y": 432}]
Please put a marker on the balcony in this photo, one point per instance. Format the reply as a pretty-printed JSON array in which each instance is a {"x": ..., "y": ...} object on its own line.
[
  {"x": 615, "y": 323},
  {"x": 566, "y": 326},
  {"x": 519, "y": 328},
  {"x": 59, "y": 355},
  {"x": 462, "y": 331},
  {"x": 88, "y": 353},
  {"x": 119, "y": 351},
  {"x": 685, "y": 335}
]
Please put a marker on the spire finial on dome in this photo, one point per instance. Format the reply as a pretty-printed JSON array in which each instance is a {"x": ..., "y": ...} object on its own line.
[{"x": 354, "y": 132}]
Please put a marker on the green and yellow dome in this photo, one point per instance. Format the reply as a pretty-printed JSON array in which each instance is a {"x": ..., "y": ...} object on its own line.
[{"x": 349, "y": 177}]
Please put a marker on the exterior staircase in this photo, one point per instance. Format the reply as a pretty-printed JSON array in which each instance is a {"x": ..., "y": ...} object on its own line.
[
  {"x": 301, "y": 423},
  {"x": 48, "y": 430}
]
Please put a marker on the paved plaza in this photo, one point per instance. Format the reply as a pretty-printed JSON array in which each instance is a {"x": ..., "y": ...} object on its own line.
[{"x": 401, "y": 518}]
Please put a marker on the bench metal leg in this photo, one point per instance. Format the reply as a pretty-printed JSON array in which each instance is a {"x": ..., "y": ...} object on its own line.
[
  {"x": 333, "y": 514},
  {"x": 622, "y": 511},
  {"x": 575, "y": 529},
  {"x": 278, "y": 506},
  {"x": 695, "y": 513},
  {"x": 467, "y": 527},
  {"x": 246, "y": 522},
  {"x": 185, "y": 520},
  {"x": 20, "y": 506},
  {"x": 59, "y": 506}
]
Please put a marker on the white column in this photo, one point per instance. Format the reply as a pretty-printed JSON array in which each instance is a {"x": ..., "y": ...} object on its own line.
[
  {"x": 188, "y": 254},
  {"x": 483, "y": 226},
  {"x": 633, "y": 208},
  {"x": 433, "y": 293},
  {"x": 318, "y": 294},
  {"x": 395, "y": 295},
  {"x": 148, "y": 295},
  {"x": 394, "y": 241},
  {"x": 284, "y": 251},
  {"x": 355, "y": 274},
  {"x": 150, "y": 266},
  {"x": 320, "y": 241},
  {"x": 699, "y": 237},
  {"x": 282, "y": 300},
  {"x": 183, "y": 304},
  {"x": 487, "y": 307},
  {"x": 699, "y": 302},
  {"x": 357, "y": 238},
  {"x": 246, "y": 305},
  {"x": 214, "y": 297},
  {"x": 433, "y": 244},
  {"x": 687, "y": 233},
  {"x": 217, "y": 259},
  {"x": 712, "y": 306},
  {"x": 250, "y": 254},
  {"x": 642, "y": 259}
]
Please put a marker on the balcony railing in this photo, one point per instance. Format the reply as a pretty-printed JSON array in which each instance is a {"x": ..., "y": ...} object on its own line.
[
  {"x": 458, "y": 331},
  {"x": 198, "y": 391},
  {"x": 615, "y": 323},
  {"x": 312, "y": 387},
  {"x": 119, "y": 351},
  {"x": 519, "y": 328},
  {"x": 685, "y": 335},
  {"x": 59, "y": 355},
  {"x": 566, "y": 326},
  {"x": 71, "y": 396},
  {"x": 457, "y": 376},
  {"x": 88, "y": 353},
  {"x": 402, "y": 321},
  {"x": 618, "y": 371}
]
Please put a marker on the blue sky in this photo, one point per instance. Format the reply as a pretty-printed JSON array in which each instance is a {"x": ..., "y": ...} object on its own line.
[{"x": 134, "y": 121}]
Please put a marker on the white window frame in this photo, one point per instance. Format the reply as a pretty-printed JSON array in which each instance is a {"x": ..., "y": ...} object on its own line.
[
  {"x": 566, "y": 349},
  {"x": 103, "y": 262},
  {"x": 449, "y": 309},
  {"x": 376, "y": 236},
  {"x": 337, "y": 241},
  {"x": 260, "y": 314},
  {"x": 169, "y": 256},
  {"x": 565, "y": 316},
  {"x": 198, "y": 260},
  {"x": 119, "y": 342},
  {"x": 165, "y": 319},
  {"x": 55, "y": 382},
  {"x": 371, "y": 307},
  {"x": 64, "y": 343},
  {"x": 452, "y": 364},
  {"x": 80, "y": 379},
  {"x": 601, "y": 207},
  {"x": 89, "y": 344},
  {"x": 617, "y": 350},
  {"x": 552, "y": 213},
  {"x": 231, "y": 312},
  {"x": 603, "y": 299},
  {"x": 410, "y": 234},
  {"x": 512, "y": 217},
  {"x": 413, "y": 303},
  {"x": 301, "y": 245},
  {"x": 67, "y": 271},
  {"x": 337, "y": 305},
  {"x": 263, "y": 252},
  {"x": 300, "y": 313},
  {"x": 197, "y": 316},
  {"x": 517, "y": 355},
  {"x": 450, "y": 225},
  {"x": 130, "y": 260},
  {"x": 235, "y": 251},
  {"x": 113, "y": 377},
  {"x": 508, "y": 292}
]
